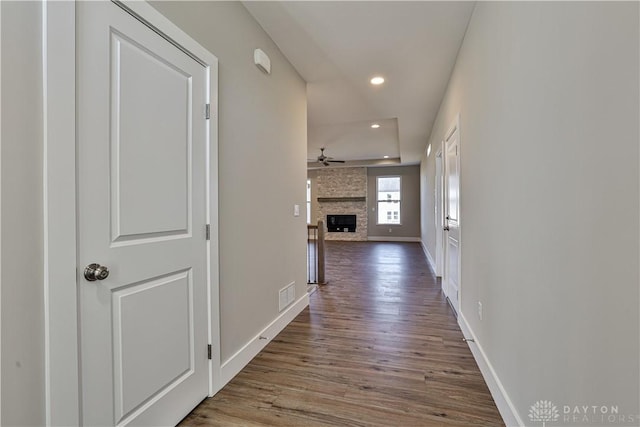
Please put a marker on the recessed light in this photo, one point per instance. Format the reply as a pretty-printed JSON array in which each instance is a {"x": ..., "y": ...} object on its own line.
[
  {"x": 386, "y": 157},
  {"x": 375, "y": 126},
  {"x": 377, "y": 80}
]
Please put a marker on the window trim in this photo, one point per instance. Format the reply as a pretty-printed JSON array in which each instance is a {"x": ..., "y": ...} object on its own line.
[{"x": 378, "y": 201}]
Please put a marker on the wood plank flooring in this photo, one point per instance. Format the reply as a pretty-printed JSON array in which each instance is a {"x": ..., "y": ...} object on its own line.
[{"x": 378, "y": 346}]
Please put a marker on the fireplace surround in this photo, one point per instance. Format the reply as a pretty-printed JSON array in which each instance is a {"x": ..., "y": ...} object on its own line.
[{"x": 343, "y": 191}]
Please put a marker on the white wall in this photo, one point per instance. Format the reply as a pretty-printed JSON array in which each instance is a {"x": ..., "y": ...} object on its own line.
[
  {"x": 548, "y": 101},
  {"x": 262, "y": 156},
  {"x": 22, "y": 343}
]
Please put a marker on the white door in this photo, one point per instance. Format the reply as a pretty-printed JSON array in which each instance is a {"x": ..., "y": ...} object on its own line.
[
  {"x": 141, "y": 212},
  {"x": 439, "y": 216},
  {"x": 452, "y": 218}
]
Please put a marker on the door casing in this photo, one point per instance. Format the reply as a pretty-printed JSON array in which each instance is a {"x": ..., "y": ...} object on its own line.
[{"x": 62, "y": 384}]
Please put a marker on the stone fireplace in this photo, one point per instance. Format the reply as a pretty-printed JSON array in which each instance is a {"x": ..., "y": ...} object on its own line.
[{"x": 343, "y": 191}]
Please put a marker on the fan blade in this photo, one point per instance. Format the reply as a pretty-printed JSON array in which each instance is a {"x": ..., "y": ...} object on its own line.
[{"x": 336, "y": 161}]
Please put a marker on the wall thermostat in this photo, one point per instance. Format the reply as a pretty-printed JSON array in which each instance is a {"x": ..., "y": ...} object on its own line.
[{"x": 262, "y": 60}]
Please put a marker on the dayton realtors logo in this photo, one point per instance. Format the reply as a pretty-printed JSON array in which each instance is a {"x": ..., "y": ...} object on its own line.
[
  {"x": 543, "y": 411},
  {"x": 597, "y": 414}
]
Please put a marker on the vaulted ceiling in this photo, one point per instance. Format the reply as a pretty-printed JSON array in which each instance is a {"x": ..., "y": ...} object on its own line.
[{"x": 337, "y": 47}]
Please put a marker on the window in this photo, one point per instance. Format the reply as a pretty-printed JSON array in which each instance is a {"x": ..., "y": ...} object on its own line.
[
  {"x": 308, "y": 201},
  {"x": 388, "y": 190}
]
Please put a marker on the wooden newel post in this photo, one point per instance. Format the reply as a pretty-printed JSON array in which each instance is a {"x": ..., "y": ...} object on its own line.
[{"x": 321, "y": 252}]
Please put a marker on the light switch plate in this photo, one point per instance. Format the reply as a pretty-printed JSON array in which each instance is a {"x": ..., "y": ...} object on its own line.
[{"x": 296, "y": 210}]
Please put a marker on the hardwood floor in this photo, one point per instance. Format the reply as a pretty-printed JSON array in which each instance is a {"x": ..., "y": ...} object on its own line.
[{"x": 378, "y": 346}]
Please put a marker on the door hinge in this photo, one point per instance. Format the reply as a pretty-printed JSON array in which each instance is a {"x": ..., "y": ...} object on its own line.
[
  {"x": 207, "y": 111},
  {"x": 207, "y": 231},
  {"x": 209, "y": 351}
]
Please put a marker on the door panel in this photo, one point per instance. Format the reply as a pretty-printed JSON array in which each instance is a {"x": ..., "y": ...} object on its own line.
[
  {"x": 145, "y": 119},
  {"x": 452, "y": 219},
  {"x": 152, "y": 320},
  {"x": 141, "y": 212}
]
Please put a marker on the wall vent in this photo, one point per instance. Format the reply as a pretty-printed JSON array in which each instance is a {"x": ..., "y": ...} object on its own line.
[{"x": 286, "y": 296}]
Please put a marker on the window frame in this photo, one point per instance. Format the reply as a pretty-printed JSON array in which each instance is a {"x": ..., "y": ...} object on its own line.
[{"x": 378, "y": 201}]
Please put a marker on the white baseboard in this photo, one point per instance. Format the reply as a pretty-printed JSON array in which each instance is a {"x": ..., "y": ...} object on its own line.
[
  {"x": 505, "y": 406},
  {"x": 242, "y": 357},
  {"x": 392, "y": 239},
  {"x": 432, "y": 263}
]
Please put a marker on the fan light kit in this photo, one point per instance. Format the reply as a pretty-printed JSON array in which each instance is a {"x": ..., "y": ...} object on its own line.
[{"x": 325, "y": 160}]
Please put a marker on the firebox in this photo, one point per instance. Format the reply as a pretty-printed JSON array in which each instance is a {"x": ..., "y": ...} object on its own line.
[{"x": 341, "y": 223}]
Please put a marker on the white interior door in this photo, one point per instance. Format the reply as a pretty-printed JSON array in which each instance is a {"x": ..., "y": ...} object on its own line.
[
  {"x": 452, "y": 218},
  {"x": 439, "y": 216},
  {"x": 141, "y": 212}
]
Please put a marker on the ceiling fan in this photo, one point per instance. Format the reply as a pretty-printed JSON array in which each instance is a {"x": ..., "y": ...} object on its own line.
[{"x": 325, "y": 160}]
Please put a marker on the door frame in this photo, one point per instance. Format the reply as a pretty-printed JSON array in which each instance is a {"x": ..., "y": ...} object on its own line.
[
  {"x": 61, "y": 304},
  {"x": 450, "y": 131}
]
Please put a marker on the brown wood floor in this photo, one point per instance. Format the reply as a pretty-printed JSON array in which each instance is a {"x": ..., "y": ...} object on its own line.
[{"x": 378, "y": 346}]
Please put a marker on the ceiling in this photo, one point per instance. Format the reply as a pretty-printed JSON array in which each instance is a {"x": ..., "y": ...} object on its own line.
[{"x": 337, "y": 47}]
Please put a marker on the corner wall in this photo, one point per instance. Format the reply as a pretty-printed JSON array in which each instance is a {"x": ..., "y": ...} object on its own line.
[{"x": 549, "y": 125}]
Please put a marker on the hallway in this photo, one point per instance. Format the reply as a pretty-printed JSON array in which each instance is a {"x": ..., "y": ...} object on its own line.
[{"x": 378, "y": 346}]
